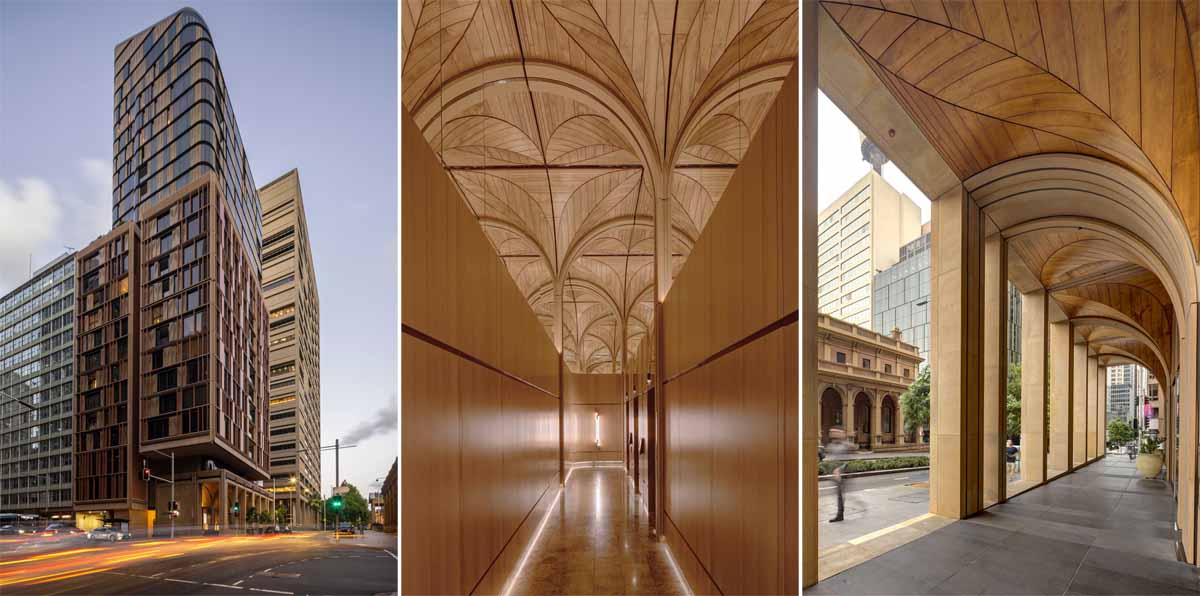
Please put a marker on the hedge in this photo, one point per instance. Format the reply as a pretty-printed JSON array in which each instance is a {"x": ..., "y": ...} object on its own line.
[{"x": 875, "y": 465}]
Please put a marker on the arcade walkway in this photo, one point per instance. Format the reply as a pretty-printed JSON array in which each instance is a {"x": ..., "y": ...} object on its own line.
[
  {"x": 597, "y": 541},
  {"x": 1100, "y": 530}
]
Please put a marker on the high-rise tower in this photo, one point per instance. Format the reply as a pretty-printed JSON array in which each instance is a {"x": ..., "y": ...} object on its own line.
[
  {"x": 181, "y": 181},
  {"x": 290, "y": 289}
]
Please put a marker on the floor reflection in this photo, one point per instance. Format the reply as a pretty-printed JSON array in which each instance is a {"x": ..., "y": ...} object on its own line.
[{"x": 597, "y": 541}]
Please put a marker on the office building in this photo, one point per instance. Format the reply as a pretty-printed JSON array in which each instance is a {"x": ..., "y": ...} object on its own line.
[
  {"x": 1127, "y": 387},
  {"x": 901, "y": 300},
  {"x": 859, "y": 235},
  {"x": 294, "y": 312},
  {"x": 184, "y": 195},
  {"x": 36, "y": 363}
]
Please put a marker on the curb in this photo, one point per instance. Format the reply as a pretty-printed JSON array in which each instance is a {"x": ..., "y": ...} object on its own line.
[{"x": 873, "y": 473}]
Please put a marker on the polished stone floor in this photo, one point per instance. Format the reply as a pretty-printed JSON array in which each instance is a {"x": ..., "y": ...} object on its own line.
[
  {"x": 1099, "y": 530},
  {"x": 597, "y": 541}
]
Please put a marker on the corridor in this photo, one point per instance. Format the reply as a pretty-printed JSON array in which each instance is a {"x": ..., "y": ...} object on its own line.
[
  {"x": 1100, "y": 530},
  {"x": 597, "y": 541}
]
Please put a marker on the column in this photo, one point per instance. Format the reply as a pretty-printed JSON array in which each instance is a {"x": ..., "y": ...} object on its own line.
[
  {"x": 901, "y": 435},
  {"x": 1079, "y": 389},
  {"x": 848, "y": 416},
  {"x": 956, "y": 412},
  {"x": 1101, "y": 408},
  {"x": 876, "y": 419},
  {"x": 1186, "y": 502},
  {"x": 1061, "y": 397},
  {"x": 995, "y": 366},
  {"x": 1033, "y": 385},
  {"x": 1093, "y": 396},
  {"x": 222, "y": 505}
]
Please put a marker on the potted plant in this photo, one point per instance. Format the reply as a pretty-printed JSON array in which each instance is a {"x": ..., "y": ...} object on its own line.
[{"x": 1150, "y": 458}]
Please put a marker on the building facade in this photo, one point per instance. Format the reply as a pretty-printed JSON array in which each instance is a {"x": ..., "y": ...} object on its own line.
[
  {"x": 901, "y": 300},
  {"x": 36, "y": 367},
  {"x": 108, "y": 405},
  {"x": 860, "y": 377},
  {"x": 186, "y": 211},
  {"x": 290, "y": 291},
  {"x": 1127, "y": 387},
  {"x": 857, "y": 235},
  {"x": 173, "y": 122}
]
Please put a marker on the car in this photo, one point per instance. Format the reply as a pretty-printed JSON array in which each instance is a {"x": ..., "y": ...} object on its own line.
[
  {"x": 108, "y": 533},
  {"x": 56, "y": 529},
  {"x": 10, "y": 531},
  {"x": 285, "y": 530}
]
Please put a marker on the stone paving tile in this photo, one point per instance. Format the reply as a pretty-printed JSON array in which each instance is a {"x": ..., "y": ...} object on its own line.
[{"x": 1101, "y": 530}]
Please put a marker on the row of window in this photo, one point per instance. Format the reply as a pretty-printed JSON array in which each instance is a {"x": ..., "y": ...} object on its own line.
[{"x": 840, "y": 358}]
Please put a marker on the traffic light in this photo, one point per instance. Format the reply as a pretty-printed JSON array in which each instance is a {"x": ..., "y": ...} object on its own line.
[
  {"x": 336, "y": 502},
  {"x": 145, "y": 471},
  {"x": 173, "y": 507},
  {"x": 236, "y": 507}
]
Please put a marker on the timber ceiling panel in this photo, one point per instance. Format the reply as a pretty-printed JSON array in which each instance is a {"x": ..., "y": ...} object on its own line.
[
  {"x": 562, "y": 120},
  {"x": 988, "y": 81}
]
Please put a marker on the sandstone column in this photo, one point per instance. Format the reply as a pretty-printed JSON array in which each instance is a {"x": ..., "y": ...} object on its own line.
[
  {"x": 1080, "y": 414},
  {"x": 1061, "y": 397},
  {"x": 1033, "y": 385},
  {"x": 995, "y": 366},
  {"x": 1093, "y": 397},
  {"x": 956, "y": 403}
]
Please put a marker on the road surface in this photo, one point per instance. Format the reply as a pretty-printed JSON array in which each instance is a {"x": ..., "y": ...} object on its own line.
[
  {"x": 300, "y": 563},
  {"x": 872, "y": 503}
]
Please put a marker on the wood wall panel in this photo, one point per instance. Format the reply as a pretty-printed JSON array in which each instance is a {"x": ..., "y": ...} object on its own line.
[
  {"x": 583, "y": 396},
  {"x": 730, "y": 325},
  {"x": 479, "y": 392},
  {"x": 744, "y": 279}
]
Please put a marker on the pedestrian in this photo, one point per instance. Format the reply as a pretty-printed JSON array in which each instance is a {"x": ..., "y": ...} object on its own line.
[
  {"x": 839, "y": 445},
  {"x": 1010, "y": 453}
]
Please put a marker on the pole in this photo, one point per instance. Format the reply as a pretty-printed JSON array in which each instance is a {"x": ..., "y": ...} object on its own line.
[
  {"x": 172, "y": 512},
  {"x": 337, "y": 481}
]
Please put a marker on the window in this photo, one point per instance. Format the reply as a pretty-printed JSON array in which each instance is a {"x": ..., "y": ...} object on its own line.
[
  {"x": 278, "y": 282},
  {"x": 162, "y": 334},
  {"x": 907, "y": 372},
  {"x": 887, "y": 368},
  {"x": 167, "y": 379},
  {"x": 166, "y": 403},
  {"x": 841, "y": 357},
  {"x": 887, "y": 417},
  {"x": 284, "y": 368},
  {"x": 866, "y": 363},
  {"x": 158, "y": 427}
]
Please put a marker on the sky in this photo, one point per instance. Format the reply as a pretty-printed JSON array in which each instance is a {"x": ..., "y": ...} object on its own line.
[
  {"x": 313, "y": 86},
  {"x": 841, "y": 163}
]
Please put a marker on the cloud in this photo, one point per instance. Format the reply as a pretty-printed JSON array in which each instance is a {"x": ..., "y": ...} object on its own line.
[
  {"x": 381, "y": 422},
  {"x": 39, "y": 220},
  {"x": 30, "y": 213}
]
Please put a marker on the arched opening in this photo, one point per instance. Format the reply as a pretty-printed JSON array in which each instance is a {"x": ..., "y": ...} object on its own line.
[
  {"x": 888, "y": 429},
  {"x": 861, "y": 434},
  {"x": 831, "y": 413}
]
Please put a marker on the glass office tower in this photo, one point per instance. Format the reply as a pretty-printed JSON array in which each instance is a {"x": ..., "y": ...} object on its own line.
[{"x": 36, "y": 352}]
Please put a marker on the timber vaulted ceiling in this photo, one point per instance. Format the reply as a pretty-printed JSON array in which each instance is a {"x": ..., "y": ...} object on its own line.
[
  {"x": 1074, "y": 126},
  {"x": 563, "y": 121}
]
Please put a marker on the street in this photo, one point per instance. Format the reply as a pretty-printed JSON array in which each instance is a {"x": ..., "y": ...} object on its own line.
[
  {"x": 300, "y": 563},
  {"x": 872, "y": 503}
]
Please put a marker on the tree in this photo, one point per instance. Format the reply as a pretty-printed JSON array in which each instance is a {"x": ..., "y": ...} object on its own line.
[
  {"x": 1119, "y": 433},
  {"x": 1014, "y": 400},
  {"x": 914, "y": 402},
  {"x": 354, "y": 507}
]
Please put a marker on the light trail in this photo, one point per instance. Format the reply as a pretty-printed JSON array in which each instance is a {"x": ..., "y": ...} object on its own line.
[{"x": 71, "y": 563}]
